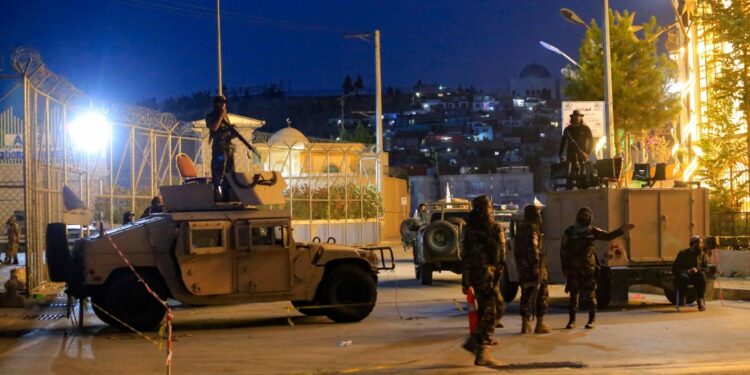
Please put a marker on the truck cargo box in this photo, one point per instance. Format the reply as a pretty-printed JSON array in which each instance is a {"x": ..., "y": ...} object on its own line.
[{"x": 664, "y": 219}]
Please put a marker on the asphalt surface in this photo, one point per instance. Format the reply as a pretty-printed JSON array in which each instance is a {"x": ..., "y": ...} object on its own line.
[{"x": 413, "y": 329}]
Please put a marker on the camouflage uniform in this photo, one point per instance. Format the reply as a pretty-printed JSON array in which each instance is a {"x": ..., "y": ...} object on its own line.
[
  {"x": 481, "y": 248},
  {"x": 532, "y": 269},
  {"x": 13, "y": 231},
  {"x": 500, "y": 268},
  {"x": 578, "y": 259},
  {"x": 222, "y": 150}
]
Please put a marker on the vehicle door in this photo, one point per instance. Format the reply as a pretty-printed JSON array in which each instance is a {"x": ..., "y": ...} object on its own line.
[
  {"x": 206, "y": 259},
  {"x": 263, "y": 257}
]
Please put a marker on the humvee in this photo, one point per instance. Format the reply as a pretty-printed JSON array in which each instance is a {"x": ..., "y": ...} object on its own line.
[
  {"x": 436, "y": 244},
  {"x": 664, "y": 218},
  {"x": 199, "y": 252}
]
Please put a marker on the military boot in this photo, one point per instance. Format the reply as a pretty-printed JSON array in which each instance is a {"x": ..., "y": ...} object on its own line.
[
  {"x": 540, "y": 326},
  {"x": 525, "y": 324},
  {"x": 571, "y": 320},
  {"x": 471, "y": 345},
  {"x": 484, "y": 357},
  {"x": 592, "y": 319}
]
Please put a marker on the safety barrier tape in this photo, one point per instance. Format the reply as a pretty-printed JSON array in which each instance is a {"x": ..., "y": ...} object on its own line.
[
  {"x": 717, "y": 261},
  {"x": 168, "y": 314}
]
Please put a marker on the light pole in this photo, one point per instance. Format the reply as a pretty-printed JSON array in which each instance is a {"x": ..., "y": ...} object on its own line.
[
  {"x": 378, "y": 106},
  {"x": 609, "y": 120}
]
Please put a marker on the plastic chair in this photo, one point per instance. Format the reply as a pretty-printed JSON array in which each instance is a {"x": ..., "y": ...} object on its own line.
[{"x": 187, "y": 170}]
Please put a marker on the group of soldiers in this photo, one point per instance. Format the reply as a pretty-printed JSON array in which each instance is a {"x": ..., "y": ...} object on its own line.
[{"x": 483, "y": 246}]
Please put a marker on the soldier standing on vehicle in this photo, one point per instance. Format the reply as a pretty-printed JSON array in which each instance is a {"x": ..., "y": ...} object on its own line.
[
  {"x": 222, "y": 150},
  {"x": 532, "y": 270},
  {"x": 689, "y": 269},
  {"x": 579, "y": 261},
  {"x": 13, "y": 231},
  {"x": 576, "y": 144},
  {"x": 482, "y": 238}
]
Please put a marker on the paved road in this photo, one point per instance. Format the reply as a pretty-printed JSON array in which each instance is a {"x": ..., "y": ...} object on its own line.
[{"x": 414, "y": 329}]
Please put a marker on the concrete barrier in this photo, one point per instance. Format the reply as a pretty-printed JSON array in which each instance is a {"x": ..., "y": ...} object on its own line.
[{"x": 734, "y": 262}]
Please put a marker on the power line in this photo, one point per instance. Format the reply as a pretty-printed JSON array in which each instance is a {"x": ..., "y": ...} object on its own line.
[{"x": 203, "y": 12}]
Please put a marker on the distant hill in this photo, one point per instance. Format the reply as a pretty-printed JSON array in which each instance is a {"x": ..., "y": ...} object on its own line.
[{"x": 310, "y": 114}]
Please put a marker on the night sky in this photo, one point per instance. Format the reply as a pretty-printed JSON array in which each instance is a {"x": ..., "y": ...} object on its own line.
[{"x": 127, "y": 50}]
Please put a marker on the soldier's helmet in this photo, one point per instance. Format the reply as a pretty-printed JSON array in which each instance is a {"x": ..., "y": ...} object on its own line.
[{"x": 219, "y": 99}]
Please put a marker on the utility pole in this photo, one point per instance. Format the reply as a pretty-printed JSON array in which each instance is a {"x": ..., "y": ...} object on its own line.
[
  {"x": 218, "y": 44},
  {"x": 609, "y": 112},
  {"x": 378, "y": 106}
]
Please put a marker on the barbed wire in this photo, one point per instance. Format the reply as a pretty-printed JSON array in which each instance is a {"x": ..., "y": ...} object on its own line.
[{"x": 28, "y": 62}]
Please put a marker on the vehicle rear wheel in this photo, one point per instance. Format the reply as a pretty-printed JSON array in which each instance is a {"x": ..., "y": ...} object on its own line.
[
  {"x": 308, "y": 308},
  {"x": 129, "y": 301},
  {"x": 603, "y": 288},
  {"x": 508, "y": 289},
  {"x": 671, "y": 295},
  {"x": 425, "y": 274},
  {"x": 59, "y": 262},
  {"x": 352, "y": 292}
]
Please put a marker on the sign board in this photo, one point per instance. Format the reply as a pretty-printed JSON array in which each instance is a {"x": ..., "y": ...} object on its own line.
[
  {"x": 593, "y": 115},
  {"x": 403, "y": 201},
  {"x": 13, "y": 141}
]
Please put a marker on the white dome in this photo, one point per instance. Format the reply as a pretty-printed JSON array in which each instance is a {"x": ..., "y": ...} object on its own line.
[{"x": 288, "y": 137}]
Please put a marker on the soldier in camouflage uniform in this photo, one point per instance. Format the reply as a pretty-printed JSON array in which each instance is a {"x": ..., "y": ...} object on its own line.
[
  {"x": 532, "y": 270},
  {"x": 499, "y": 269},
  {"x": 578, "y": 259},
  {"x": 481, "y": 242}
]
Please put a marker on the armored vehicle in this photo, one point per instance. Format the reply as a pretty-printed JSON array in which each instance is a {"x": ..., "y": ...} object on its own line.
[
  {"x": 436, "y": 243},
  {"x": 664, "y": 218},
  {"x": 201, "y": 252}
]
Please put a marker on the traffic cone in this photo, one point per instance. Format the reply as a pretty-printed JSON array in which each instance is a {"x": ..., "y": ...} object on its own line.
[{"x": 473, "y": 314}]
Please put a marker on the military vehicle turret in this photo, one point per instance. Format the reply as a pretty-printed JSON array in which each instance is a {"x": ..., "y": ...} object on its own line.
[{"x": 201, "y": 252}]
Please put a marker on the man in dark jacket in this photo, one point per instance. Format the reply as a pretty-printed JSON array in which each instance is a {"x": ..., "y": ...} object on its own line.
[
  {"x": 576, "y": 145},
  {"x": 222, "y": 150},
  {"x": 532, "y": 270},
  {"x": 689, "y": 269},
  {"x": 579, "y": 262},
  {"x": 482, "y": 238}
]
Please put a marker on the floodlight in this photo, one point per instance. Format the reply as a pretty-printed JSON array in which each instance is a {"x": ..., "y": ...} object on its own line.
[{"x": 90, "y": 132}]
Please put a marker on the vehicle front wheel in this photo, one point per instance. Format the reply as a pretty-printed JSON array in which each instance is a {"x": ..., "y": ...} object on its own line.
[
  {"x": 425, "y": 274},
  {"x": 351, "y": 292},
  {"x": 129, "y": 301}
]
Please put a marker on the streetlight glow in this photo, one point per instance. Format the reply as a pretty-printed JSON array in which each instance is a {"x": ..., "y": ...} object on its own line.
[{"x": 90, "y": 132}]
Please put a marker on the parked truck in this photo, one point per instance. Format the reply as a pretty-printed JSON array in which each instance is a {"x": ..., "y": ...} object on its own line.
[{"x": 664, "y": 219}]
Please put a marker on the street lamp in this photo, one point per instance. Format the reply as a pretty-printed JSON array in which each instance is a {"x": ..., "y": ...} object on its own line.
[
  {"x": 90, "y": 132},
  {"x": 558, "y": 51},
  {"x": 609, "y": 108},
  {"x": 378, "y": 106}
]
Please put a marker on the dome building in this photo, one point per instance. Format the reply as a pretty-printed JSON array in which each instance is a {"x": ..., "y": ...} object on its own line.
[{"x": 535, "y": 82}]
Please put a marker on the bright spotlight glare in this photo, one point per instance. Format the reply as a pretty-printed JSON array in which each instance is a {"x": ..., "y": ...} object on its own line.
[{"x": 90, "y": 132}]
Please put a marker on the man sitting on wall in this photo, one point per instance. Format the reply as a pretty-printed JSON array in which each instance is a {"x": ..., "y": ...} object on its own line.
[{"x": 689, "y": 268}]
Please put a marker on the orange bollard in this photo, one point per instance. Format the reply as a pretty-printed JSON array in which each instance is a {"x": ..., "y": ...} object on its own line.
[{"x": 473, "y": 314}]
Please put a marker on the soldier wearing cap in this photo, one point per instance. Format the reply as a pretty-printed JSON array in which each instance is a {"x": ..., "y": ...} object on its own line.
[
  {"x": 689, "y": 269},
  {"x": 222, "y": 151},
  {"x": 575, "y": 146}
]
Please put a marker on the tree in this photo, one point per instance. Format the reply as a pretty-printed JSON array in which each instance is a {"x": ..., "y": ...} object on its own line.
[
  {"x": 358, "y": 85},
  {"x": 347, "y": 85},
  {"x": 725, "y": 141},
  {"x": 640, "y": 76}
]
